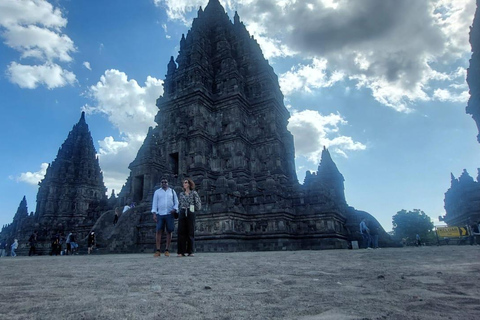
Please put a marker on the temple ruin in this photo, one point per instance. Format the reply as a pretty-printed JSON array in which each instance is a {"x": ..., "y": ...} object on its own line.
[
  {"x": 222, "y": 122},
  {"x": 462, "y": 200}
]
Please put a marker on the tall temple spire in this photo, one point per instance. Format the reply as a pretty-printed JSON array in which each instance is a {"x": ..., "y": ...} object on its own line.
[
  {"x": 214, "y": 5},
  {"x": 22, "y": 211},
  {"x": 74, "y": 180},
  {"x": 473, "y": 71}
]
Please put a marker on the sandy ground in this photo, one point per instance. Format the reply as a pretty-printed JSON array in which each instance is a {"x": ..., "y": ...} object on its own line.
[{"x": 391, "y": 283}]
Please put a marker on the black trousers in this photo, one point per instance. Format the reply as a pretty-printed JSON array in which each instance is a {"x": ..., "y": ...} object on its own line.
[
  {"x": 32, "y": 250},
  {"x": 186, "y": 232}
]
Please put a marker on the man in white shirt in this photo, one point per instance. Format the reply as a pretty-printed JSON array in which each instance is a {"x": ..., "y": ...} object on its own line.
[{"x": 165, "y": 203}]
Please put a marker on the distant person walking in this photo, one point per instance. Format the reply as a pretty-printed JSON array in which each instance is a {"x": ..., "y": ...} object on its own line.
[
  {"x": 126, "y": 208},
  {"x": 164, "y": 205},
  {"x": 73, "y": 243},
  {"x": 418, "y": 241},
  {"x": 91, "y": 242},
  {"x": 13, "y": 248},
  {"x": 33, "y": 242},
  {"x": 3, "y": 247},
  {"x": 189, "y": 203},
  {"x": 69, "y": 244},
  {"x": 373, "y": 227},
  {"x": 117, "y": 213},
  {"x": 365, "y": 232},
  {"x": 55, "y": 243}
]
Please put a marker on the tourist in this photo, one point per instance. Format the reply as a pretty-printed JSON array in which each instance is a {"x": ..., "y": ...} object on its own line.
[
  {"x": 126, "y": 208},
  {"x": 373, "y": 229},
  {"x": 117, "y": 213},
  {"x": 189, "y": 203},
  {"x": 164, "y": 205},
  {"x": 91, "y": 241},
  {"x": 3, "y": 247},
  {"x": 55, "y": 242},
  {"x": 60, "y": 244},
  {"x": 365, "y": 232},
  {"x": 73, "y": 243},
  {"x": 418, "y": 242},
  {"x": 33, "y": 242},
  {"x": 14, "y": 247},
  {"x": 69, "y": 244}
]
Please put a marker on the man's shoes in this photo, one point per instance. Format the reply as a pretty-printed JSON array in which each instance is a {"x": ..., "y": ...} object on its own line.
[
  {"x": 157, "y": 253},
  {"x": 167, "y": 254}
]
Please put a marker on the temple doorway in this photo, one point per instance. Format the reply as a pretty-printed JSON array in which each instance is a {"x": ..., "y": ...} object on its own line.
[{"x": 138, "y": 188}]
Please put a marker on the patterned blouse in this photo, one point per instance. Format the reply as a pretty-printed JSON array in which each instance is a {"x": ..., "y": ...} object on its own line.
[{"x": 184, "y": 200}]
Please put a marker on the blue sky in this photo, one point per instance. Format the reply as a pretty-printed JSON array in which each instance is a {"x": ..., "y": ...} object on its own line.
[{"x": 380, "y": 83}]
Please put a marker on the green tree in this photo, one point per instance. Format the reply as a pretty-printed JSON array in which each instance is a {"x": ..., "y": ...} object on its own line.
[{"x": 406, "y": 224}]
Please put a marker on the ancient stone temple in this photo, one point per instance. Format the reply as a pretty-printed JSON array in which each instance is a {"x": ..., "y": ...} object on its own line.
[
  {"x": 73, "y": 183},
  {"x": 473, "y": 71},
  {"x": 21, "y": 218},
  {"x": 71, "y": 196},
  {"x": 462, "y": 200},
  {"x": 222, "y": 121}
]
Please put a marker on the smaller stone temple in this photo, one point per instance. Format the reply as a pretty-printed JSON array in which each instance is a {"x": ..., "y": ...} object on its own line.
[
  {"x": 71, "y": 196},
  {"x": 462, "y": 200}
]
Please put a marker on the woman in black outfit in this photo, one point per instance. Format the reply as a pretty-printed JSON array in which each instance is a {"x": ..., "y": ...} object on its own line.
[{"x": 188, "y": 203}]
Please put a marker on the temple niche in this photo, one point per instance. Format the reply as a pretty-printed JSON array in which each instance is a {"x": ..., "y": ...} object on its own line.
[{"x": 462, "y": 200}]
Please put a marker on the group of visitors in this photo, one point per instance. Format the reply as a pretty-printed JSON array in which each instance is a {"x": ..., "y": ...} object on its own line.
[
  {"x": 369, "y": 232},
  {"x": 57, "y": 241},
  {"x": 166, "y": 207}
]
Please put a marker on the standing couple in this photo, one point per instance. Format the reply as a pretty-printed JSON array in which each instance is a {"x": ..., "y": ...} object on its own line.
[{"x": 166, "y": 206}]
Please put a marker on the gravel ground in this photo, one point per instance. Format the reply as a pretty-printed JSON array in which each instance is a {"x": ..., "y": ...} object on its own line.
[{"x": 391, "y": 283}]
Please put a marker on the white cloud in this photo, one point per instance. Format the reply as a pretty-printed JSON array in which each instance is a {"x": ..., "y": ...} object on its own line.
[
  {"x": 29, "y": 77},
  {"x": 86, "y": 64},
  {"x": 41, "y": 43},
  {"x": 23, "y": 12},
  {"x": 33, "y": 28},
  {"x": 312, "y": 131},
  {"x": 33, "y": 177},
  {"x": 178, "y": 9},
  {"x": 446, "y": 95},
  {"x": 304, "y": 78},
  {"x": 131, "y": 109}
]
